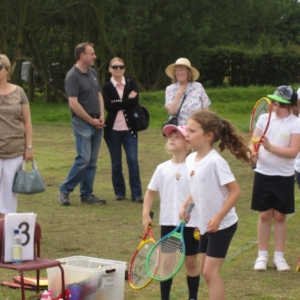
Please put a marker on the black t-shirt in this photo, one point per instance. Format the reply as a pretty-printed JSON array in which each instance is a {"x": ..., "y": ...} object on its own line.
[{"x": 85, "y": 87}]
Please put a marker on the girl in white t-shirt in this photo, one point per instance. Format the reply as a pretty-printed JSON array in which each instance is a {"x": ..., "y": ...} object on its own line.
[
  {"x": 214, "y": 191},
  {"x": 273, "y": 189},
  {"x": 170, "y": 180},
  {"x": 297, "y": 159}
]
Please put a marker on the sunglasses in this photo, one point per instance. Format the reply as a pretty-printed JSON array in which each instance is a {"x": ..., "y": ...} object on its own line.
[
  {"x": 116, "y": 67},
  {"x": 1, "y": 67}
]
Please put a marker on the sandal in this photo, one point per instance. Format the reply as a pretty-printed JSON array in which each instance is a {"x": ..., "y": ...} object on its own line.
[
  {"x": 261, "y": 264},
  {"x": 281, "y": 264}
]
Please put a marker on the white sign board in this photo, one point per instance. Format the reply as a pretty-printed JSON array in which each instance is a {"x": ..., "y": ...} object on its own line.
[{"x": 25, "y": 222}]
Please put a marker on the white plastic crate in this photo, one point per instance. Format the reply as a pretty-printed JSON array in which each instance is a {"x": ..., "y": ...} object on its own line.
[{"x": 100, "y": 279}]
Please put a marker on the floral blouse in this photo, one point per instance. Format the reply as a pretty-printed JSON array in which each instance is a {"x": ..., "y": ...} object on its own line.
[{"x": 196, "y": 98}]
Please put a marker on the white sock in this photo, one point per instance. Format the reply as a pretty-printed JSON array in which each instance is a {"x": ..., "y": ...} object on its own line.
[
  {"x": 263, "y": 253},
  {"x": 278, "y": 255}
]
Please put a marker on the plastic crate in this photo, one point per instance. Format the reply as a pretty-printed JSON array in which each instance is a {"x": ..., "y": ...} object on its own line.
[{"x": 100, "y": 279}]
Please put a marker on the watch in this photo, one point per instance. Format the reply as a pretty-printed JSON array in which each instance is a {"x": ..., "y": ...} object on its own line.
[{"x": 29, "y": 147}]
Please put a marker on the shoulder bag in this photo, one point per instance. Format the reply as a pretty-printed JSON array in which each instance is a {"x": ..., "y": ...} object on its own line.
[
  {"x": 141, "y": 115},
  {"x": 174, "y": 120}
]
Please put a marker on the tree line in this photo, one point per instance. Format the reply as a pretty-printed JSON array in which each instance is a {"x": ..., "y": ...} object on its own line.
[{"x": 147, "y": 34}]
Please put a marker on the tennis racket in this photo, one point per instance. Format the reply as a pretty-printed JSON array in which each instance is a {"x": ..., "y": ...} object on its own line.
[
  {"x": 167, "y": 255},
  {"x": 137, "y": 275},
  {"x": 262, "y": 106},
  {"x": 298, "y": 265}
]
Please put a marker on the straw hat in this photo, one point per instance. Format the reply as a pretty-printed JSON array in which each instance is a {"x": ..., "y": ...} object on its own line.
[{"x": 182, "y": 62}]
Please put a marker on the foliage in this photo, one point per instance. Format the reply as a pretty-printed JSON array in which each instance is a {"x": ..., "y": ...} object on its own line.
[
  {"x": 247, "y": 67},
  {"x": 148, "y": 35}
]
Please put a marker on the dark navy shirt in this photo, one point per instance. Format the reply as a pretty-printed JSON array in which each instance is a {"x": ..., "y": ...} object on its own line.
[{"x": 84, "y": 86}]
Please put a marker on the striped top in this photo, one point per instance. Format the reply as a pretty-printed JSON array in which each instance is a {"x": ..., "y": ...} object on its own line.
[{"x": 12, "y": 128}]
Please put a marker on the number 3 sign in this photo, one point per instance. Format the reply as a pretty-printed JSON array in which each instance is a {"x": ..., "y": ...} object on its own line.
[{"x": 25, "y": 222}]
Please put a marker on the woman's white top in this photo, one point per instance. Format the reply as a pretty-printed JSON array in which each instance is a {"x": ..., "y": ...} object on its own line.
[{"x": 196, "y": 99}]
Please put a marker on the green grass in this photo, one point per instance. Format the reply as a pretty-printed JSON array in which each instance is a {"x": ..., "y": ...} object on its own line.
[
  {"x": 113, "y": 231},
  {"x": 231, "y": 103}
]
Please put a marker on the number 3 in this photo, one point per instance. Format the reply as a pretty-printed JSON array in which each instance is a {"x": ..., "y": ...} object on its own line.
[{"x": 25, "y": 232}]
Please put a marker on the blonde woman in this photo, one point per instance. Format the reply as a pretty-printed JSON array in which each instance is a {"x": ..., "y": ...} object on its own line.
[
  {"x": 120, "y": 96},
  {"x": 15, "y": 135}
]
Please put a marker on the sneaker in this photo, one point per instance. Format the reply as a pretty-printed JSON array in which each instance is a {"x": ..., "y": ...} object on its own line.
[
  {"x": 120, "y": 197},
  {"x": 63, "y": 198},
  {"x": 91, "y": 199},
  {"x": 281, "y": 264},
  {"x": 261, "y": 264},
  {"x": 137, "y": 200}
]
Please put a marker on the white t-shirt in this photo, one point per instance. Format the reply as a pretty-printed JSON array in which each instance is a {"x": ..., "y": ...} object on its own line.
[
  {"x": 279, "y": 134},
  {"x": 171, "y": 182},
  {"x": 297, "y": 163},
  {"x": 297, "y": 159},
  {"x": 207, "y": 180}
]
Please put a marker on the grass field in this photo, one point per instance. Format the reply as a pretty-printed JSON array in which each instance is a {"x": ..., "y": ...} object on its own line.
[{"x": 112, "y": 231}]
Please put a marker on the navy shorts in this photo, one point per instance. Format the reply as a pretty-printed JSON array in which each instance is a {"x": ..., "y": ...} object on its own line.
[
  {"x": 273, "y": 192},
  {"x": 191, "y": 244},
  {"x": 216, "y": 244}
]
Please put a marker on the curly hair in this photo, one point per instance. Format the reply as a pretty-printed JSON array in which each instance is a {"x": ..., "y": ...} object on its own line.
[{"x": 224, "y": 130}]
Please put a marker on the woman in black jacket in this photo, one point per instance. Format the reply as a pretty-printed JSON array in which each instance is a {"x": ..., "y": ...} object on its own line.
[{"x": 120, "y": 96}]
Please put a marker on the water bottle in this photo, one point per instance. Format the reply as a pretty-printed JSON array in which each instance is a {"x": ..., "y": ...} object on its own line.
[
  {"x": 17, "y": 247},
  {"x": 75, "y": 291}
]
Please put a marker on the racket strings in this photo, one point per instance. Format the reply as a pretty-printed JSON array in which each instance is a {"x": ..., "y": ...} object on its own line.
[
  {"x": 166, "y": 258},
  {"x": 262, "y": 108},
  {"x": 139, "y": 276}
]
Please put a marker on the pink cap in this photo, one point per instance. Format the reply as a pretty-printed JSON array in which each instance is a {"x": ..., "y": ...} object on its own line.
[{"x": 169, "y": 128}]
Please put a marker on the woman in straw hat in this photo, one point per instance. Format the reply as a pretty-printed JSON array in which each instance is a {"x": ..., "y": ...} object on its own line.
[{"x": 184, "y": 88}]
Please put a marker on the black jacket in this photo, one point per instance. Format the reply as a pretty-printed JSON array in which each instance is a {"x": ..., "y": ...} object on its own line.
[{"x": 113, "y": 104}]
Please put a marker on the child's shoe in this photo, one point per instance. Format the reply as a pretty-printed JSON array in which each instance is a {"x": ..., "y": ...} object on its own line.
[
  {"x": 261, "y": 263},
  {"x": 281, "y": 264}
]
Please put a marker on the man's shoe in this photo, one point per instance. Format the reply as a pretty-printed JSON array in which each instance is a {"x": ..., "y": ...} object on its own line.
[
  {"x": 137, "y": 200},
  {"x": 120, "y": 197},
  {"x": 91, "y": 199},
  {"x": 63, "y": 198}
]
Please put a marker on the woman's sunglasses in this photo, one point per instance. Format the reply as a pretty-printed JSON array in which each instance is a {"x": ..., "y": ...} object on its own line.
[
  {"x": 116, "y": 67},
  {"x": 1, "y": 67}
]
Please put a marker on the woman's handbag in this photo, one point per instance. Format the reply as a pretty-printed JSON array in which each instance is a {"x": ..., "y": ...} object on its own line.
[
  {"x": 28, "y": 183},
  {"x": 141, "y": 117},
  {"x": 173, "y": 120}
]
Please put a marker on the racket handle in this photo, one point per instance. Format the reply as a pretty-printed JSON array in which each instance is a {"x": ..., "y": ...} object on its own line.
[
  {"x": 151, "y": 214},
  {"x": 188, "y": 209}
]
